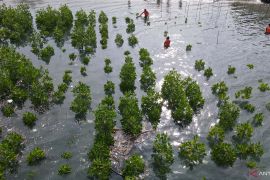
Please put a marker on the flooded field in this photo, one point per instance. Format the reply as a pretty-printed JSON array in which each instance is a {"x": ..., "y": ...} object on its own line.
[{"x": 221, "y": 33}]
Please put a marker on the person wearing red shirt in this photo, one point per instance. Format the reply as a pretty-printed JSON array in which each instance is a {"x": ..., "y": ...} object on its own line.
[
  {"x": 146, "y": 14},
  {"x": 167, "y": 42},
  {"x": 267, "y": 30}
]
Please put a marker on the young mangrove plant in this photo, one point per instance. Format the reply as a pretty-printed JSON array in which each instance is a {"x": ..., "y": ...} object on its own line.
[
  {"x": 258, "y": 119},
  {"x": 16, "y": 24},
  {"x": 162, "y": 156},
  {"x": 231, "y": 70},
  {"x": 192, "y": 152},
  {"x": 8, "y": 110},
  {"x": 188, "y": 47},
  {"x": 220, "y": 90},
  {"x": 46, "y": 54},
  {"x": 66, "y": 155},
  {"x": 131, "y": 114},
  {"x": 228, "y": 114},
  {"x": 114, "y": 20},
  {"x": 244, "y": 93},
  {"x": 145, "y": 59},
  {"x": 263, "y": 87},
  {"x": 119, "y": 40},
  {"x": 223, "y": 154},
  {"x": 148, "y": 79},
  {"x": 250, "y": 66},
  {"x": 82, "y": 100},
  {"x": 194, "y": 94},
  {"x": 108, "y": 68},
  {"x": 208, "y": 73},
  {"x": 37, "y": 42},
  {"x": 109, "y": 88},
  {"x": 35, "y": 156},
  {"x": 243, "y": 133},
  {"x": 130, "y": 27},
  {"x": 132, "y": 40},
  {"x": 151, "y": 107},
  {"x": 199, "y": 64},
  {"x": 128, "y": 76},
  {"x": 55, "y": 23},
  {"x": 83, "y": 71},
  {"x": 134, "y": 166},
  {"x": 67, "y": 79},
  {"x": 85, "y": 60},
  {"x": 100, "y": 169},
  {"x": 173, "y": 91},
  {"x": 103, "y": 29},
  {"x": 248, "y": 107},
  {"x": 29, "y": 119},
  {"x": 126, "y": 53},
  {"x": 64, "y": 169},
  {"x": 10, "y": 149},
  {"x": 215, "y": 136}
]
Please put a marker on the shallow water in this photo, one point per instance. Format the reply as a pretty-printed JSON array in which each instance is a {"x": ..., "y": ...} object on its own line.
[{"x": 221, "y": 33}]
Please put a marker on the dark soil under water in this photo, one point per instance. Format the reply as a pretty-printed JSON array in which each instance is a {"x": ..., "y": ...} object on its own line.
[{"x": 222, "y": 33}]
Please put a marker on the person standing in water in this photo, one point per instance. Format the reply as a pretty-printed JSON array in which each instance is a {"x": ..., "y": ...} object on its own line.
[
  {"x": 146, "y": 15},
  {"x": 167, "y": 42},
  {"x": 267, "y": 30}
]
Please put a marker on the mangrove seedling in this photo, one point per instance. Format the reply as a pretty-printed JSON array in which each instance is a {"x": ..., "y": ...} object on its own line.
[
  {"x": 67, "y": 78},
  {"x": 251, "y": 164},
  {"x": 220, "y": 90},
  {"x": 244, "y": 93},
  {"x": 46, "y": 53},
  {"x": 231, "y": 70},
  {"x": 72, "y": 56},
  {"x": 66, "y": 155},
  {"x": 208, "y": 73},
  {"x": 126, "y": 53},
  {"x": 85, "y": 60},
  {"x": 100, "y": 169},
  {"x": 109, "y": 88},
  {"x": 19, "y": 95},
  {"x": 11, "y": 147},
  {"x": 242, "y": 150},
  {"x": 119, "y": 40},
  {"x": 223, "y": 154},
  {"x": 151, "y": 107},
  {"x": 148, "y": 79},
  {"x": 83, "y": 71},
  {"x": 145, "y": 59},
  {"x": 192, "y": 152},
  {"x": 215, "y": 136},
  {"x": 255, "y": 151},
  {"x": 188, "y": 47},
  {"x": 35, "y": 156},
  {"x": 263, "y": 87},
  {"x": 8, "y": 110},
  {"x": 131, "y": 114},
  {"x": 258, "y": 119},
  {"x": 162, "y": 156},
  {"x": 58, "y": 97},
  {"x": 128, "y": 76},
  {"x": 114, "y": 20},
  {"x": 250, "y": 66},
  {"x": 228, "y": 114},
  {"x": 243, "y": 133},
  {"x": 199, "y": 65},
  {"x": 127, "y": 20},
  {"x": 64, "y": 169},
  {"x": 82, "y": 101},
  {"x": 134, "y": 166},
  {"x": 130, "y": 27},
  {"x": 194, "y": 94},
  {"x": 102, "y": 18},
  {"x": 249, "y": 107},
  {"x": 132, "y": 40},
  {"x": 29, "y": 119},
  {"x": 62, "y": 87},
  {"x": 107, "y": 68}
]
